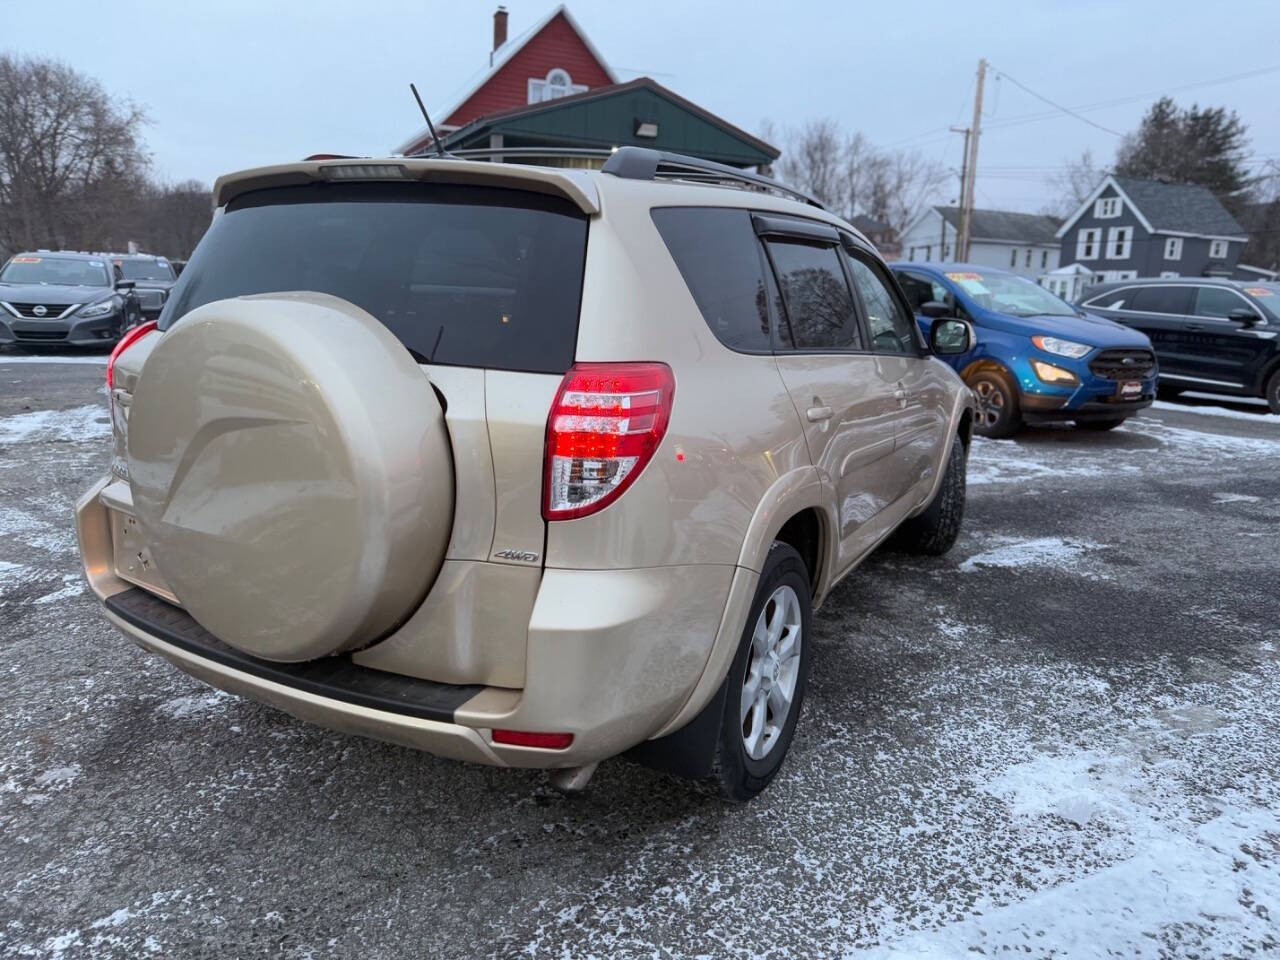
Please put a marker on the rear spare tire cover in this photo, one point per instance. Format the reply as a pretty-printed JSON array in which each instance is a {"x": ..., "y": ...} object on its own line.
[{"x": 291, "y": 473}]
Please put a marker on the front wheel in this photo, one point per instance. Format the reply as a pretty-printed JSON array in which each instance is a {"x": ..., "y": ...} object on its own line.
[
  {"x": 998, "y": 414},
  {"x": 767, "y": 679},
  {"x": 1273, "y": 392},
  {"x": 1100, "y": 425}
]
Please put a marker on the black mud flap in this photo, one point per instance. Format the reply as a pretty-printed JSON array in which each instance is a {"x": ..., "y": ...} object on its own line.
[{"x": 690, "y": 750}]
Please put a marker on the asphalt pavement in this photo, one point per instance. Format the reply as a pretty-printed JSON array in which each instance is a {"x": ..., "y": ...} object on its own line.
[{"x": 1059, "y": 740}]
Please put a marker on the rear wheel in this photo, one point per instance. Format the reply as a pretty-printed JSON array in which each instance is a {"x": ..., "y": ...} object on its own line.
[
  {"x": 1272, "y": 393},
  {"x": 998, "y": 414},
  {"x": 1099, "y": 425},
  {"x": 767, "y": 679}
]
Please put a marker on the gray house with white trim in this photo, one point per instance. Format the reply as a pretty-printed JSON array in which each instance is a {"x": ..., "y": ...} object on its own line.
[
  {"x": 1130, "y": 228},
  {"x": 1021, "y": 242}
]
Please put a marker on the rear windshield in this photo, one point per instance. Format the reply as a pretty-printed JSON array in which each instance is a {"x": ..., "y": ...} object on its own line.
[
  {"x": 468, "y": 276},
  {"x": 145, "y": 270}
]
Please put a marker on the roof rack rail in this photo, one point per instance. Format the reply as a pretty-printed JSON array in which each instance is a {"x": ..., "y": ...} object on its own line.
[
  {"x": 643, "y": 163},
  {"x": 566, "y": 152}
]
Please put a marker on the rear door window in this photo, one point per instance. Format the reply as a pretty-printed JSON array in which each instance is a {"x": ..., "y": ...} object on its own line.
[
  {"x": 719, "y": 257},
  {"x": 467, "y": 276},
  {"x": 1170, "y": 299},
  {"x": 819, "y": 304}
]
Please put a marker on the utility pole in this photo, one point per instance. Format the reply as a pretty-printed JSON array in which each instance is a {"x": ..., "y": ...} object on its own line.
[
  {"x": 964, "y": 167},
  {"x": 971, "y": 166}
]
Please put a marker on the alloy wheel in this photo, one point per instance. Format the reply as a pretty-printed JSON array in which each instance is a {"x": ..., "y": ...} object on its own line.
[
  {"x": 769, "y": 687},
  {"x": 991, "y": 403}
]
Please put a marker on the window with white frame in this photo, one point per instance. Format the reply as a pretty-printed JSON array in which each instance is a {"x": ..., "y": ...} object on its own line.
[
  {"x": 1119, "y": 243},
  {"x": 1013, "y": 257},
  {"x": 1087, "y": 243},
  {"x": 1217, "y": 249},
  {"x": 1044, "y": 259},
  {"x": 1106, "y": 207},
  {"x": 1173, "y": 249},
  {"x": 556, "y": 84},
  {"x": 1109, "y": 276}
]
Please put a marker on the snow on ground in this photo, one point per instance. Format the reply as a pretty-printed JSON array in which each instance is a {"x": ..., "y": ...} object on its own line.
[
  {"x": 1013, "y": 552},
  {"x": 93, "y": 358},
  {"x": 1262, "y": 416},
  {"x": 88, "y": 422}
]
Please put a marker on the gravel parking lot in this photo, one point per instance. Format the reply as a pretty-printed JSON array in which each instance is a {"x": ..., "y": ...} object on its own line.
[{"x": 1062, "y": 739}]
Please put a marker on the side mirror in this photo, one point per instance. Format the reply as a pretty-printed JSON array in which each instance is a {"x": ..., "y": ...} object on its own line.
[
  {"x": 1244, "y": 315},
  {"x": 936, "y": 309},
  {"x": 951, "y": 337},
  {"x": 125, "y": 284}
]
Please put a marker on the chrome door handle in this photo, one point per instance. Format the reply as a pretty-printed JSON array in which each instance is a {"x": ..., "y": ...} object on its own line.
[{"x": 818, "y": 413}]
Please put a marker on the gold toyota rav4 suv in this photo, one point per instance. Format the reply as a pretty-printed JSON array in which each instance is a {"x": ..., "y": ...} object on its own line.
[{"x": 521, "y": 465}]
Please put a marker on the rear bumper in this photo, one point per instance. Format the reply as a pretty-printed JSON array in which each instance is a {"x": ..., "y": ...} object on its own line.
[{"x": 612, "y": 656}]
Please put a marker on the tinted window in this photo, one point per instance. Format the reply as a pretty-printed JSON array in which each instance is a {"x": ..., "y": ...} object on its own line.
[
  {"x": 1120, "y": 299},
  {"x": 889, "y": 323},
  {"x": 819, "y": 306},
  {"x": 1161, "y": 300},
  {"x": 145, "y": 269},
  {"x": 468, "y": 276},
  {"x": 719, "y": 257},
  {"x": 1218, "y": 302}
]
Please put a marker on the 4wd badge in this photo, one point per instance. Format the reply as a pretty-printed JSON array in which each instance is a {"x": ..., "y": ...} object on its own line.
[{"x": 523, "y": 556}]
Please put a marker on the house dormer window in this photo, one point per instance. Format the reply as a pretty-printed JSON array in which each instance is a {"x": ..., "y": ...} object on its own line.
[
  {"x": 556, "y": 84},
  {"x": 1106, "y": 208}
]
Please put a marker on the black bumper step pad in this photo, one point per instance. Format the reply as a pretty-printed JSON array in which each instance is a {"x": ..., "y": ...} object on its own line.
[{"x": 336, "y": 678}]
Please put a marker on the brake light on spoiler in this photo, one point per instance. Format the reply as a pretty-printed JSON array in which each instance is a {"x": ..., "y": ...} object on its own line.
[{"x": 605, "y": 424}]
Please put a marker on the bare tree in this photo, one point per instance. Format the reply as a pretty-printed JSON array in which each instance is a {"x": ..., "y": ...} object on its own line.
[
  {"x": 851, "y": 176},
  {"x": 71, "y": 160},
  {"x": 1072, "y": 185}
]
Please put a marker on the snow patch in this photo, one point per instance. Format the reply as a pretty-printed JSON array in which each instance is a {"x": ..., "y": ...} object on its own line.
[
  {"x": 198, "y": 705},
  {"x": 1059, "y": 552},
  {"x": 14, "y": 358},
  {"x": 1235, "y": 498},
  {"x": 90, "y": 422},
  {"x": 1262, "y": 416},
  {"x": 59, "y": 776}
]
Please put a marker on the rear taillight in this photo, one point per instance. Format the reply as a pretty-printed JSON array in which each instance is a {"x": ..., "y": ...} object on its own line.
[
  {"x": 526, "y": 738},
  {"x": 137, "y": 333},
  {"x": 605, "y": 424}
]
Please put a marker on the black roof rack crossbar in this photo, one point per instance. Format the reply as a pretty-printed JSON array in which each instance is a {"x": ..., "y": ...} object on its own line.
[
  {"x": 567, "y": 152},
  {"x": 642, "y": 163}
]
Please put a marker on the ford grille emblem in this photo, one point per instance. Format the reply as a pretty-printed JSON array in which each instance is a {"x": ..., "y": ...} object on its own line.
[
  {"x": 1128, "y": 361},
  {"x": 39, "y": 310}
]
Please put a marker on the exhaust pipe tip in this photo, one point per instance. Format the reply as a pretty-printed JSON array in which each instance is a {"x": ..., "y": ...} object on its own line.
[{"x": 573, "y": 779}]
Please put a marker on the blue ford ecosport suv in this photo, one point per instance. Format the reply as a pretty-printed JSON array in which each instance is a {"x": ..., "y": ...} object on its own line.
[{"x": 1037, "y": 357}]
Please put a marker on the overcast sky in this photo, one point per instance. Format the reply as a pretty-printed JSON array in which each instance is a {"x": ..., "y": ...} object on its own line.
[{"x": 237, "y": 83}]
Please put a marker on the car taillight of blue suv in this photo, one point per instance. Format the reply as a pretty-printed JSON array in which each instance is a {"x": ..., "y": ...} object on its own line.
[{"x": 1037, "y": 358}]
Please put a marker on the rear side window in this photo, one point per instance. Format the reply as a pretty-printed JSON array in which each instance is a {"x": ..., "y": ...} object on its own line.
[
  {"x": 819, "y": 305},
  {"x": 719, "y": 257},
  {"x": 1218, "y": 302},
  {"x": 467, "y": 276},
  {"x": 1169, "y": 299}
]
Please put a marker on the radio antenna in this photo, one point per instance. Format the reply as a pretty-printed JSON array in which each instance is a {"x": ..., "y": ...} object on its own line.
[{"x": 427, "y": 117}]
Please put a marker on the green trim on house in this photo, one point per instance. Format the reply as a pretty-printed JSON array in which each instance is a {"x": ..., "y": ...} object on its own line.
[{"x": 611, "y": 116}]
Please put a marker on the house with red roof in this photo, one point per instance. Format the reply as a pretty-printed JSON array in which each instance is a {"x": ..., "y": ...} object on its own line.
[{"x": 550, "y": 88}]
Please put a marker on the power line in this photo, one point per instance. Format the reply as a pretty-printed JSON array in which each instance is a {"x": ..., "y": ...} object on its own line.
[{"x": 1066, "y": 110}]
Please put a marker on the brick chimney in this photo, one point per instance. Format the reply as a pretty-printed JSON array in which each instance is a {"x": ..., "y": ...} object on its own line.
[{"x": 499, "y": 27}]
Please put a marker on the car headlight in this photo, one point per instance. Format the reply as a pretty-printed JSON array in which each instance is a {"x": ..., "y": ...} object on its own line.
[
  {"x": 1063, "y": 348},
  {"x": 98, "y": 309}
]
